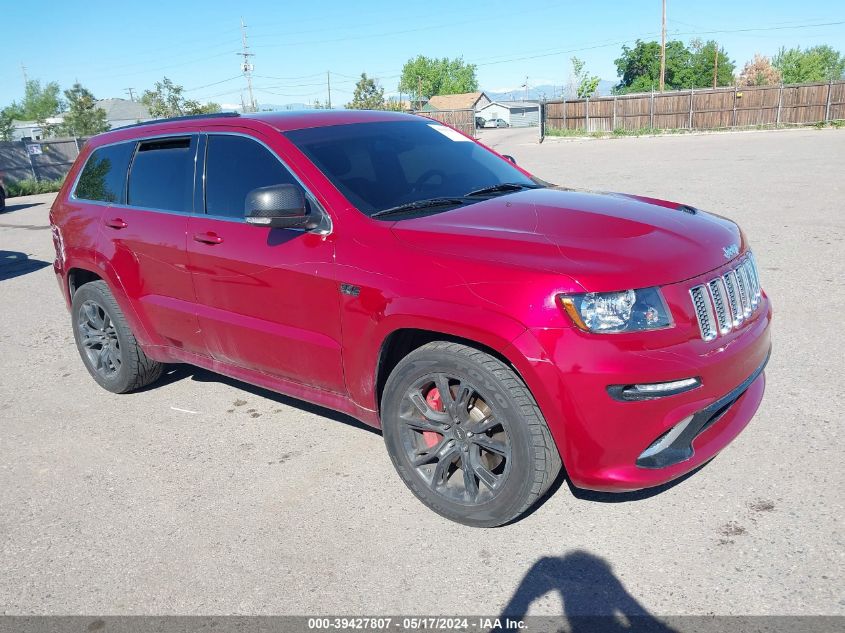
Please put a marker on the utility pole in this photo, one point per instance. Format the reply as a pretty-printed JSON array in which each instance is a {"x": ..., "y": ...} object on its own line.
[
  {"x": 247, "y": 67},
  {"x": 715, "y": 65},
  {"x": 329, "y": 86},
  {"x": 25, "y": 78},
  {"x": 131, "y": 93},
  {"x": 419, "y": 92},
  {"x": 526, "y": 87},
  {"x": 663, "y": 50}
]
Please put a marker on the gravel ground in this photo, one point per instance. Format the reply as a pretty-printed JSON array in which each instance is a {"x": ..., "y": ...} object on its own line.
[{"x": 204, "y": 495}]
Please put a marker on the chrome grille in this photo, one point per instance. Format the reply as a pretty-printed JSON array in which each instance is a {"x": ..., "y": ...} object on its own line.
[
  {"x": 703, "y": 312},
  {"x": 718, "y": 294},
  {"x": 733, "y": 297},
  {"x": 723, "y": 303}
]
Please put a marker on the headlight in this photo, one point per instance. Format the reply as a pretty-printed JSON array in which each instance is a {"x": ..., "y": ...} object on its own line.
[{"x": 609, "y": 312}]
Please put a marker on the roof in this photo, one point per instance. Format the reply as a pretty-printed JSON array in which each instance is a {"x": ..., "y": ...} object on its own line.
[
  {"x": 123, "y": 110},
  {"x": 282, "y": 121},
  {"x": 463, "y": 101},
  {"x": 514, "y": 104}
]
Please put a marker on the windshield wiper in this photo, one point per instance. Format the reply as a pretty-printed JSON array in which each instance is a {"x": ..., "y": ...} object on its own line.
[
  {"x": 419, "y": 204},
  {"x": 504, "y": 186}
]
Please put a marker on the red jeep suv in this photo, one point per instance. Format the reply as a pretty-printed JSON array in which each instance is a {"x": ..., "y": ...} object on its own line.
[{"x": 495, "y": 327}]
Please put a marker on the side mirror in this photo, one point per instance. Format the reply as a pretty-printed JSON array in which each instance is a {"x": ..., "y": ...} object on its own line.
[
  {"x": 509, "y": 157},
  {"x": 278, "y": 207}
]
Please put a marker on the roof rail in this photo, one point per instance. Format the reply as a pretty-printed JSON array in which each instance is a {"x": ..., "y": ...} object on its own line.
[{"x": 187, "y": 117}]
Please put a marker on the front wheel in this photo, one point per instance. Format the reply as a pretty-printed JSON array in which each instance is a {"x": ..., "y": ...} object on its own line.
[{"x": 466, "y": 435}]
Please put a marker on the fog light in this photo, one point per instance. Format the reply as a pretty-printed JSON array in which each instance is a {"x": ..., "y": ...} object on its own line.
[{"x": 647, "y": 391}]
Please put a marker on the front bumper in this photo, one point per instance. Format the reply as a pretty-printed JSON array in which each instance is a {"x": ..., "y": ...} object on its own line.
[{"x": 602, "y": 440}]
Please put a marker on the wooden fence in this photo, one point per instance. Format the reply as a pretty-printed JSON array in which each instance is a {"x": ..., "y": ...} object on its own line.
[
  {"x": 463, "y": 120},
  {"x": 702, "y": 108}
]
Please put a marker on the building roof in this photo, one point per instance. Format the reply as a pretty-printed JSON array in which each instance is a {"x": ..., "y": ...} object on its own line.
[
  {"x": 463, "y": 101},
  {"x": 514, "y": 104},
  {"x": 123, "y": 110}
]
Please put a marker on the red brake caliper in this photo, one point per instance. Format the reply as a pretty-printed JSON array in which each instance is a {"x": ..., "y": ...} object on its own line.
[{"x": 433, "y": 400}]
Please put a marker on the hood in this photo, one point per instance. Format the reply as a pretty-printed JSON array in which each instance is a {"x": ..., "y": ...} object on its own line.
[{"x": 602, "y": 241}]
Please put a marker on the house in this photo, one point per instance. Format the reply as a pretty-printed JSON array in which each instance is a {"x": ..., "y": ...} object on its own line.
[
  {"x": 515, "y": 113},
  {"x": 122, "y": 112},
  {"x": 463, "y": 101},
  {"x": 27, "y": 129},
  {"x": 119, "y": 113}
]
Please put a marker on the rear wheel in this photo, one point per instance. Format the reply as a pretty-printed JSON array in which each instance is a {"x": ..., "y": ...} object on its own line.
[
  {"x": 106, "y": 344},
  {"x": 466, "y": 436}
]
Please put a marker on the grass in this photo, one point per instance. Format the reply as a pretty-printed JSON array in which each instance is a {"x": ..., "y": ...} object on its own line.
[
  {"x": 30, "y": 187},
  {"x": 649, "y": 131}
]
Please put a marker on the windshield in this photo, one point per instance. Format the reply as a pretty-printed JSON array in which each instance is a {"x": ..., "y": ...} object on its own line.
[{"x": 383, "y": 165}]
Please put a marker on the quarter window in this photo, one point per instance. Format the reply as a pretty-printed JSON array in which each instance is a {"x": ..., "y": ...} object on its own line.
[
  {"x": 103, "y": 178},
  {"x": 162, "y": 175},
  {"x": 236, "y": 165}
]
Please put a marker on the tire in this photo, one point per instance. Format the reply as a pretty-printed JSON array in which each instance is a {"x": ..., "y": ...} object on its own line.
[
  {"x": 483, "y": 455},
  {"x": 2, "y": 200},
  {"x": 108, "y": 348}
]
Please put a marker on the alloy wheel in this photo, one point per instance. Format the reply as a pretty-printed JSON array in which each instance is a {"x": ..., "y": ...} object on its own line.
[
  {"x": 99, "y": 340},
  {"x": 454, "y": 440}
]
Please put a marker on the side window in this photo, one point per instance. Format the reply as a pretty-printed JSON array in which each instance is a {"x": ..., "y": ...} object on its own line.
[
  {"x": 162, "y": 175},
  {"x": 103, "y": 178},
  {"x": 234, "y": 166}
]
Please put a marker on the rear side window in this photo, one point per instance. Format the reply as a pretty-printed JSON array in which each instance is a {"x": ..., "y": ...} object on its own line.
[
  {"x": 103, "y": 178},
  {"x": 236, "y": 165},
  {"x": 162, "y": 175}
]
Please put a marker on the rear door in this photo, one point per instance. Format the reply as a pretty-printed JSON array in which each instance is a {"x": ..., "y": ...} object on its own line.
[
  {"x": 145, "y": 239},
  {"x": 266, "y": 297}
]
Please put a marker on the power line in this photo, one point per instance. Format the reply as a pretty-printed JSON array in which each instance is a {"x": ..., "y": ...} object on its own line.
[{"x": 222, "y": 81}]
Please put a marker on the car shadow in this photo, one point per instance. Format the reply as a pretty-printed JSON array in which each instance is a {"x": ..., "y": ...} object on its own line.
[
  {"x": 19, "y": 207},
  {"x": 176, "y": 373},
  {"x": 14, "y": 264},
  {"x": 593, "y": 597},
  {"x": 605, "y": 497}
]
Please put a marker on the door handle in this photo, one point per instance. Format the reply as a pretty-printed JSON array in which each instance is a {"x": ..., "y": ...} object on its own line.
[
  {"x": 208, "y": 238},
  {"x": 116, "y": 223}
]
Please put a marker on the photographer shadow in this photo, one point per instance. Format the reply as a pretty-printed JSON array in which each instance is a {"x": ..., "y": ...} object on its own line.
[{"x": 593, "y": 597}]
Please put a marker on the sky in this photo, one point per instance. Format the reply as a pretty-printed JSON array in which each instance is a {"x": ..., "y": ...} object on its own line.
[{"x": 112, "y": 46}]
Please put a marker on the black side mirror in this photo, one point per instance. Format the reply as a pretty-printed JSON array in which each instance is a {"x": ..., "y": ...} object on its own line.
[
  {"x": 509, "y": 157},
  {"x": 277, "y": 206}
]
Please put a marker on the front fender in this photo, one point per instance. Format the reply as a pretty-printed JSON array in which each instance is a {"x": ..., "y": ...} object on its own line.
[{"x": 369, "y": 319}]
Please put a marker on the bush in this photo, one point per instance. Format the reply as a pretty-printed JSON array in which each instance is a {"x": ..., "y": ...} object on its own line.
[{"x": 31, "y": 187}]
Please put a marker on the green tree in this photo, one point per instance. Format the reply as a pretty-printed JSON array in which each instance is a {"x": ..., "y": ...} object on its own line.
[
  {"x": 7, "y": 116},
  {"x": 820, "y": 63},
  {"x": 368, "y": 95},
  {"x": 686, "y": 67},
  {"x": 639, "y": 67},
  {"x": 167, "y": 100},
  {"x": 83, "y": 117},
  {"x": 587, "y": 84},
  {"x": 39, "y": 104},
  {"x": 702, "y": 63},
  {"x": 437, "y": 76}
]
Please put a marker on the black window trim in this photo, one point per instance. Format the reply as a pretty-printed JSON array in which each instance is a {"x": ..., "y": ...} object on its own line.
[
  {"x": 199, "y": 178},
  {"x": 136, "y": 141},
  {"x": 193, "y": 138},
  {"x": 105, "y": 203},
  {"x": 327, "y": 227}
]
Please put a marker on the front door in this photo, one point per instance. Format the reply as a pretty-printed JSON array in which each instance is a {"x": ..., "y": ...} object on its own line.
[{"x": 266, "y": 298}]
